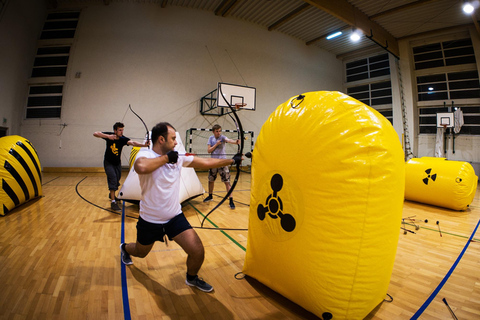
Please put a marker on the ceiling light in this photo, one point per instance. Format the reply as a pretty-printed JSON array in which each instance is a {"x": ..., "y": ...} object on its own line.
[
  {"x": 334, "y": 35},
  {"x": 468, "y": 7},
  {"x": 355, "y": 36}
]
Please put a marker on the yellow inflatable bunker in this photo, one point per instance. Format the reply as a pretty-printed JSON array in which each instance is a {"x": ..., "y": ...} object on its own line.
[
  {"x": 326, "y": 204},
  {"x": 440, "y": 182},
  {"x": 20, "y": 173}
]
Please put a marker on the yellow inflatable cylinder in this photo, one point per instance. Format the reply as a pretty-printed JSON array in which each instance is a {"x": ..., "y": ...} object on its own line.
[
  {"x": 440, "y": 182},
  {"x": 326, "y": 204},
  {"x": 20, "y": 173}
]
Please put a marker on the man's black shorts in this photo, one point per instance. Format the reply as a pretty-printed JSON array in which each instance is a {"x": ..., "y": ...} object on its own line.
[{"x": 148, "y": 233}]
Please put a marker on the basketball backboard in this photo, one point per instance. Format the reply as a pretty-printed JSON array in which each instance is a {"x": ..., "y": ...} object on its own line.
[
  {"x": 242, "y": 96},
  {"x": 445, "y": 119}
]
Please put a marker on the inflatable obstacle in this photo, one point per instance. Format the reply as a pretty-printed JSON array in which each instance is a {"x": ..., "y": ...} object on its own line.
[
  {"x": 190, "y": 186},
  {"x": 440, "y": 182},
  {"x": 20, "y": 173},
  {"x": 326, "y": 204}
]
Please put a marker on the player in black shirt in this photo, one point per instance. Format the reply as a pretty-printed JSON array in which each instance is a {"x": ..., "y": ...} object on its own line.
[{"x": 112, "y": 159}]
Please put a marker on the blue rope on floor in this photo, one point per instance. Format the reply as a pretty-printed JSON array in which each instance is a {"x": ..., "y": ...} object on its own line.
[
  {"x": 126, "y": 304},
  {"x": 440, "y": 285}
]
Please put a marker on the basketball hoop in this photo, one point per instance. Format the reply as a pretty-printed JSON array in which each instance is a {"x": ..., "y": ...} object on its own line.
[
  {"x": 444, "y": 126},
  {"x": 239, "y": 105}
]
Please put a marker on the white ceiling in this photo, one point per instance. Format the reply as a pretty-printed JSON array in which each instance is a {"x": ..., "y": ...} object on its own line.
[{"x": 389, "y": 19}]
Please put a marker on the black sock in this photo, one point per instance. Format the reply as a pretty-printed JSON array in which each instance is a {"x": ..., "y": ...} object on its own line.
[{"x": 191, "y": 278}]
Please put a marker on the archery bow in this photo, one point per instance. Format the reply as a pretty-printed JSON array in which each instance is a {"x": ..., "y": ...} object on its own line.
[
  {"x": 146, "y": 128},
  {"x": 240, "y": 150}
]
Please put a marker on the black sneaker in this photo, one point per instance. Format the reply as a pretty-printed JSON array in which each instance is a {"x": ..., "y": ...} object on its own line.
[
  {"x": 200, "y": 284},
  {"x": 232, "y": 205},
  {"x": 208, "y": 199},
  {"x": 115, "y": 206},
  {"x": 126, "y": 259}
]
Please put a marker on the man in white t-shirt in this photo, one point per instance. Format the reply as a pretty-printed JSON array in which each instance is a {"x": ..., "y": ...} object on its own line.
[{"x": 160, "y": 210}]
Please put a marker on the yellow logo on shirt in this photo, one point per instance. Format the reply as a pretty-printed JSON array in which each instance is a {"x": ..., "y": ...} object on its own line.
[{"x": 114, "y": 149}]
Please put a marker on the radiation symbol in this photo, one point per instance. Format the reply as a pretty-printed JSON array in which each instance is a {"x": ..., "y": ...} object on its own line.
[
  {"x": 429, "y": 176},
  {"x": 274, "y": 206}
]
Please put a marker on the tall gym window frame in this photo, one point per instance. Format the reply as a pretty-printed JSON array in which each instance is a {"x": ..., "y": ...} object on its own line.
[
  {"x": 447, "y": 77},
  {"x": 49, "y": 71},
  {"x": 369, "y": 81}
]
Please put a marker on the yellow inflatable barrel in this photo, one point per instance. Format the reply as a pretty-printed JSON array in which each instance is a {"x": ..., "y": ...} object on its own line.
[
  {"x": 440, "y": 182},
  {"x": 326, "y": 204},
  {"x": 20, "y": 173}
]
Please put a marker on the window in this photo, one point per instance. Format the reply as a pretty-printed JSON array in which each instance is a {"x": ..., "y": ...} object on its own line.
[
  {"x": 377, "y": 95},
  {"x": 471, "y": 118},
  {"x": 372, "y": 85},
  {"x": 368, "y": 68},
  {"x": 45, "y": 95},
  {"x": 448, "y": 86},
  {"x": 51, "y": 62},
  {"x": 374, "y": 94},
  {"x": 447, "y": 77},
  {"x": 45, "y": 101},
  {"x": 60, "y": 25},
  {"x": 448, "y": 53}
]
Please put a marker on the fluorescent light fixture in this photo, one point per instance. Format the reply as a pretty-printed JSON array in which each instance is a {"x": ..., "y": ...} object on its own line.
[
  {"x": 468, "y": 7},
  {"x": 430, "y": 88},
  {"x": 334, "y": 35}
]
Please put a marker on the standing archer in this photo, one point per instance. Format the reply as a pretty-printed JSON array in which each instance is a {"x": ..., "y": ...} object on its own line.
[
  {"x": 112, "y": 159},
  {"x": 216, "y": 147},
  {"x": 161, "y": 216}
]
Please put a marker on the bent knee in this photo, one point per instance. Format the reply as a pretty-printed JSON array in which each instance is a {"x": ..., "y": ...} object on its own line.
[{"x": 198, "y": 254}]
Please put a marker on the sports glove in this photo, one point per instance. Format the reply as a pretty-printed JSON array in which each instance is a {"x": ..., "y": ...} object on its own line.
[
  {"x": 172, "y": 156},
  {"x": 237, "y": 158}
]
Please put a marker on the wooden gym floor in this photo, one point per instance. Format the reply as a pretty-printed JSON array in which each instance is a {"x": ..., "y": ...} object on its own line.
[{"x": 59, "y": 259}]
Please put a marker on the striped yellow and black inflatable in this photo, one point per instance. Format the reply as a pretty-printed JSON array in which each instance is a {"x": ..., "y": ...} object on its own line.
[
  {"x": 133, "y": 155},
  {"x": 20, "y": 173}
]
